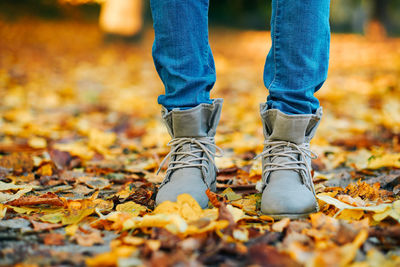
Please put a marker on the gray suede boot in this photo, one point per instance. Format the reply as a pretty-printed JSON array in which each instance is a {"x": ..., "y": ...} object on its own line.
[
  {"x": 287, "y": 187},
  {"x": 191, "y": 168}
]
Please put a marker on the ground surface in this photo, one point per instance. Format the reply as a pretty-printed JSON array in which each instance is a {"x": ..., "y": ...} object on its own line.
[{"x": 81, "y": 139}]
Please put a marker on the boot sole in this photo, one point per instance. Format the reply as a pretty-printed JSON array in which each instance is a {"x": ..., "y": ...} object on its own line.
[{"x": 290, "y": 215}]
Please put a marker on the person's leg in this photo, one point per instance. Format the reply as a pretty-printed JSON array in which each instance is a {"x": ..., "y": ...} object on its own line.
[
  {"x": 297, "y": 64},
  {"x": 181, "y": 52},
  {"x": 183, "y": 59},
  {"x": 295, "y": 68}
]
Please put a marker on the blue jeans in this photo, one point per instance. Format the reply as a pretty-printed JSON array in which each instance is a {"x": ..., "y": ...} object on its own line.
[{"x": 295, "y": 68}]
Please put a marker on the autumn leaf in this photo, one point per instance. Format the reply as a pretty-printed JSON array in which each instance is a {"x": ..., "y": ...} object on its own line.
[
  {"x": 37, "y": 142},
  {"x": 131, "y": 208},
  {"x": 94, "y": 182},
  {"x": 54, "y": 239},
  {"x": 18, "y": 162},
  {"x": 76, "y": 149},
  {"x": 381, "y": 211},
  {"x": 100, "y": 141},
  {"x": 3, "y": 211},
  {"x": 49, "y": 198},
  {"x": 62, "y": 159},
  {"x": 111, "y": 258},
  {"x": 40, "y": 226},
  {"x": 87, "y": 238},
  {"x": 77, "y": 211},
  {"x": 386, "y": 160},
  {"x": 7, "y": 197}
]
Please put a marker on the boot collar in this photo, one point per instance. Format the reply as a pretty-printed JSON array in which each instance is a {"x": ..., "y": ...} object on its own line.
[
  {"x": 200, "y": 121},
  {"x": 297, "y": 129}
]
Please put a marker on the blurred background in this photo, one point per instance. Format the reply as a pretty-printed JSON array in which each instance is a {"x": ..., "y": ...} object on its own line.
[
  {"x": 346, "y": 15},
  {"x": 67, "y": 66},
  {"x": 71, "y": 67}
]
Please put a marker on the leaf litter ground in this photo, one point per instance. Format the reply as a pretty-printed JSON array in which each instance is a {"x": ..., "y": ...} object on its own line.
[{"x": 81, "y": 139}]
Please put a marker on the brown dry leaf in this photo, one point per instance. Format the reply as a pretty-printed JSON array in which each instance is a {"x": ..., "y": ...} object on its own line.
[
  {"x": 10, "y": 186},
  {"x": 62, "y": 159},
  {"x": 54, "y": 239},
  {"x": 18, "y": 162},
  {"x": 40, "y": 226},
  {"x": 94, "y": 182},
  {"x": 89, "y": 239},
  {"x": 6, "y": 197},
  {"x": 363, "y": 190},
  {"x": 82, "y": 189},
  {"x": 225, "y": 214},
  {"x": 49, "y": 198},
  {"x": 262, "y": 254}
]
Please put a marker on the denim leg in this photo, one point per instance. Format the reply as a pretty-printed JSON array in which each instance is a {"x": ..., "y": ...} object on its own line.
[
  {"x": 181, "y": 52},
  {"x": 297, "y": 64}
]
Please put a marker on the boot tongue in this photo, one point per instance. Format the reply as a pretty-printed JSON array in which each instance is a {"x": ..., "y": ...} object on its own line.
[
  {"x": 189, "y": 148},
  {"x": 284, "y": 159},
  {"x": 288, "y": 175}
]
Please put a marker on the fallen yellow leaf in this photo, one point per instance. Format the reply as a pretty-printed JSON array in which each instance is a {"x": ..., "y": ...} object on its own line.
[{"x": 130, "y": 207}]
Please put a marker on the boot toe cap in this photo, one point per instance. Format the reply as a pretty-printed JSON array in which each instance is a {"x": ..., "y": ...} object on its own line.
[
  {"x": 171, "y": 191},
  {"x": 291, "y": 203}
]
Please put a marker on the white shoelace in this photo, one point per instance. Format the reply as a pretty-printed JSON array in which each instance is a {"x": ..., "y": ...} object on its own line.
[
  {"x": 192, "y": 158},
  {"x": 301, "y": 166}
]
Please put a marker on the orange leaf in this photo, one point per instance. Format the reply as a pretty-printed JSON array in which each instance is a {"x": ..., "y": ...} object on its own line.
[{"x": 213, "y": 198}]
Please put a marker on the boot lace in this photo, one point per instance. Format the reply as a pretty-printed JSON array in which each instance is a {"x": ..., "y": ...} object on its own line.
[
  {"x": 196, "y": 157},
  {"x": 275, "y": 149}
]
